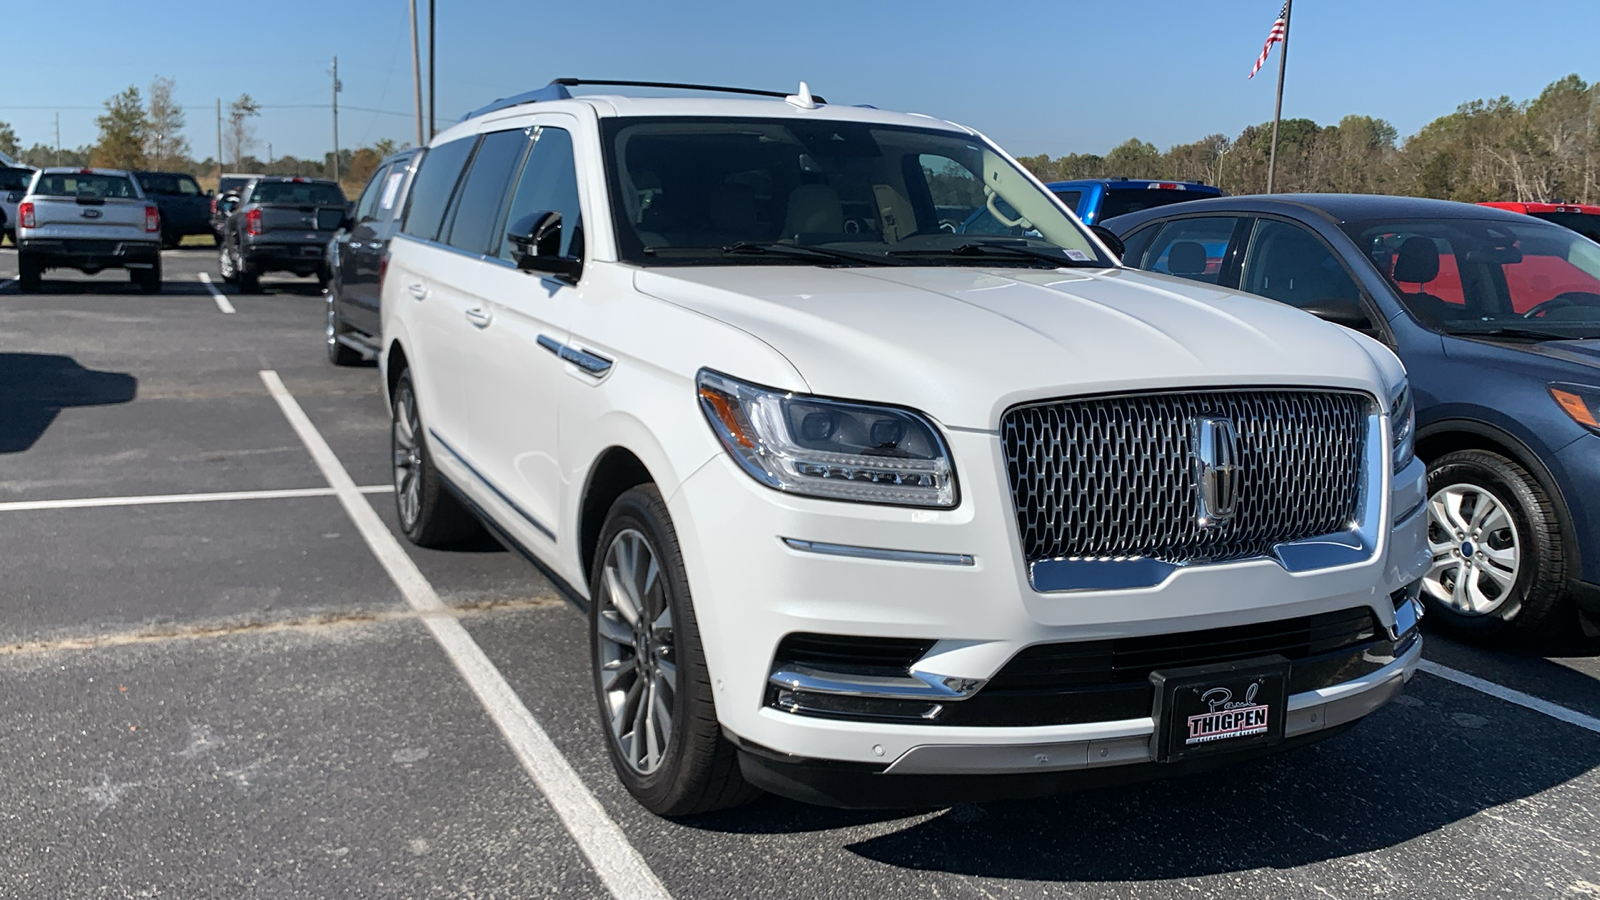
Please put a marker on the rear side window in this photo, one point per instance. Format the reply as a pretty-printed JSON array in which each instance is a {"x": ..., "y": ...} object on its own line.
[
  {"x": 15, "y": 179},
  {"x": 1191, "y": 248},
  {"x": 1121, "y": 201},
  {"x": 75, "y": 184},
  {"x": 160, "y": 183},
  {"x": 297, "y": 193},
  {"x": 368, "y": 204},
  {"x": 433, "y": 185},
  {"x": 483, "y": 194},
  {"x": 549, "y": 181},
  {"x": 392, "y": 182},
  {"x": 1291, "y": 265}
]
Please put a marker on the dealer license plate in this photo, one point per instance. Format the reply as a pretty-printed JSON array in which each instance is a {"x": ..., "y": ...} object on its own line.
[{"x": 1222, "y": 708}]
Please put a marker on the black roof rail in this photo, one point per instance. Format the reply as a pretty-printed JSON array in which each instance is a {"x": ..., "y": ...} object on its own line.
[{"x": 551, "y": 91}]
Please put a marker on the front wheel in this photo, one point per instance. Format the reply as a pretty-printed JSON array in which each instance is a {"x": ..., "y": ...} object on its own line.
[
  {"x": 430, "y": 516},
  {"x": 1499, "y": 568},
  {"x": 654, "y": 691}
]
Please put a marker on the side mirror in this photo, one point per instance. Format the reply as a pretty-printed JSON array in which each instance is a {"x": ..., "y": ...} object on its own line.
[
  {"x": 1341, "y": 311},
  {"x": 346, "y": 222},
  {"x": 1110, "y": 239},
  {"x": 211, "y": 193},
  {"x": 536, "y": 245}
]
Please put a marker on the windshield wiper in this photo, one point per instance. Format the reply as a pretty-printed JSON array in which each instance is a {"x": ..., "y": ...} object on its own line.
[
  {"x": 999, "y": 249},
  {"x": 1517, "y": 331},
  {"x": 813, "y": 253}
]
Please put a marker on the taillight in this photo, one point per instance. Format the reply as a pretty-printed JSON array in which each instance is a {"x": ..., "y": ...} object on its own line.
[
  {"x": 252, "y": 221},
  {"x": 25, "y": 214},
  {"x": 152, "y": 219},
  {"x": 213, "y": 206}
]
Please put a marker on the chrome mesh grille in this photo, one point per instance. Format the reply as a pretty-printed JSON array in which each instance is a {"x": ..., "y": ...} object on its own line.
[{"x": 1113, "y": 477}]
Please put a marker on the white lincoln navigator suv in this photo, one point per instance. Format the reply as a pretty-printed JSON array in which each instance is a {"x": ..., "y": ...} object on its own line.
[{"x": 882, "y": 481}]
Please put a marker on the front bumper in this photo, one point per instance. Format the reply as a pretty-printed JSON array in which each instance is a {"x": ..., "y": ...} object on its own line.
[
  {"x": 1104, "y": 754},
  {"x": 955, "y": 579}
]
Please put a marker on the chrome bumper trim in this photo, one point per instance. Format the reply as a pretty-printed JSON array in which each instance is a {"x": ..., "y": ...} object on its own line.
[
  {"x": 855, "y": 552},
  {"x": 916, "y": 686},
  {"x": 1307, "y": 712}
]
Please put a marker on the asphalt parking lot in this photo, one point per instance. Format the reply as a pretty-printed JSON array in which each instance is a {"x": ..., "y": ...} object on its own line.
[{"x": 217, "y": 688}]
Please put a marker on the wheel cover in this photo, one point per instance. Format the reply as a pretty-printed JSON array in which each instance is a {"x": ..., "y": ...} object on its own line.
[
  {"x": 225, "y": 263},
  {"x": 1476, "y": 550},
  {"x": 634, "y": 644},
  {"x": 405, "y": 443},
  {"x": 332, "y": 331}
]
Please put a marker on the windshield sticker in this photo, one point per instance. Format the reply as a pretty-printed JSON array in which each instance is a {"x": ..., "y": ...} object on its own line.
[{"x": 1075, "y": 255}]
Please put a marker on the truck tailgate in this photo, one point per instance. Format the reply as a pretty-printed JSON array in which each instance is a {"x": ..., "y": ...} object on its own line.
[
  {"x": 111, "y": 218},
  {"x": 314, "y": 222}
]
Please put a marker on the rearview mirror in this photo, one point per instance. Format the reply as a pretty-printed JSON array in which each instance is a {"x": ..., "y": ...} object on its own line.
[
  {"x": 536, "y": 245},
  {"x": 1110, "y": 239},
  {"x": 1341, "y": 311}
]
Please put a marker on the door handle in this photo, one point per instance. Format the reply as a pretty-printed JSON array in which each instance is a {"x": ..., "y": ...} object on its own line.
[
  {"x": 418, "y": 290},
  {"x": 479, "y": 317}
]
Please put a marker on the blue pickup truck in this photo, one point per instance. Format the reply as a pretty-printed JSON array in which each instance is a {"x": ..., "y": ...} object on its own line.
[{"x": 1097, "y": 199}]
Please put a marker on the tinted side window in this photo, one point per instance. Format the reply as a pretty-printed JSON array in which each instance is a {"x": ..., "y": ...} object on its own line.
[
  {"x": 1134, "y": 245},
  {"x": 369, "y": 197},
  {"x": 1291, "y": 265},
  {"x": 1070, "y": 198},
  {"x": 483, "y": 194},
  {"x": 549, "y": 181},
  {"x": 431, "y": 189},
  {"x": 1191, "y": 248},
  {"x": 392, "y": 183}
]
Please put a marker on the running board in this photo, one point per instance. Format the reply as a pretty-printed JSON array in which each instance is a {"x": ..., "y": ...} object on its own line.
[{"x": 367, "y": 353}]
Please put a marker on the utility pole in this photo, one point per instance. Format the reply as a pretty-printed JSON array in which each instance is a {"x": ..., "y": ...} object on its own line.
[
  {"x": 219, "y": 142},
  {"x": 336, "y": 87},
  {"x": 58, "y": 139},
  {"x": 431, "y": 108},
  {"x": 1277, "y": 112},
  {"x": 416, "y": 70},
  {"x": 269, "y": 153}
]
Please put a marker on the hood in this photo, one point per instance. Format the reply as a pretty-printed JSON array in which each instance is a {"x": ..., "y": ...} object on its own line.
[
  {"x": 1584, "y": 352},
  {"x": 963, "y": 344}
]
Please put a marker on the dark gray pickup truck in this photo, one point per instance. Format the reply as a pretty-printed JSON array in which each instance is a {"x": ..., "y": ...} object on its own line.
[{"x": 281, "y": 225}]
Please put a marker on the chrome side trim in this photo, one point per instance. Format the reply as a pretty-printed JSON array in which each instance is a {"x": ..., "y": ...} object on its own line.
[
  {"x": 916, "y": 686},
  {"x": 855, "y": 552},
  {"x": 550, "y": 343},
  {"x": 590, "y": 363},
  {"x": 538, "y": 525},
  {"x": 1358, "y": 544}
]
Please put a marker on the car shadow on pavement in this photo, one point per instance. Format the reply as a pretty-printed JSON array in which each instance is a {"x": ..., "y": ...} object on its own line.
[
  {"x": 1373, "y": 788},
  {"x": 36, "y": 387}
]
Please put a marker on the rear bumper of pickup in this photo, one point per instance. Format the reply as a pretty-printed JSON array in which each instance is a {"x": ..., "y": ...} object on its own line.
[
  {"x": 92, "y": 253},
  {"x": 299, "y": 257}
]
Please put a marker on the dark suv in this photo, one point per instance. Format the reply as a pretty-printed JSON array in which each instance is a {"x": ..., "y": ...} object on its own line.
[
  {"x": 356, "y": 259},
  {"x": 185, "y": 209},
  {"x": 281, "y": 225},
  {"x": 1496, "y": 316}
]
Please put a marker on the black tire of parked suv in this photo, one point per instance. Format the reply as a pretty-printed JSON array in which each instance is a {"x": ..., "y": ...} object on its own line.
[
  {"x": 30, "y": 275},
  {"x": 430, "y": 516},
  {"x": 699, "y": 770},
  {"x": 338, "y": 353},
  {"x": 170, "y": 241},
  {"x": 148, "y": 280},
  {"x": 1535, "y": 609}
]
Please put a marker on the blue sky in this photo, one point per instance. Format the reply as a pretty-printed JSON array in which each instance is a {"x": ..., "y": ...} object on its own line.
[{"x": 1053, "y": 77}]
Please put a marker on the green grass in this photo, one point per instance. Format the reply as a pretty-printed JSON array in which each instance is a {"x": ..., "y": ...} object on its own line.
[{"x": 197, "y": 240}]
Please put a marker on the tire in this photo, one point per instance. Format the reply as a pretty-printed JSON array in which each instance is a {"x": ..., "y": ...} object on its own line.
[
  {"x": 171, "y": 241},
  {"x": 216, "y": 239},
  {"x": 430, "y": 516},
  {"x": 30, "y": 275},
  {"x": 684, "y": 765},
  {"x": 149, "y": 280},
  {"x": 338, "y": 353},
  {"x": 227, "y": 266},
  {"x": 1500, "y": 567},
  {"x": 249, "y": 275}
]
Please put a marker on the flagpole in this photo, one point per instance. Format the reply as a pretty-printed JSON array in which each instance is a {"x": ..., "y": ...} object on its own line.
[{"x": 1277, "y": 111}]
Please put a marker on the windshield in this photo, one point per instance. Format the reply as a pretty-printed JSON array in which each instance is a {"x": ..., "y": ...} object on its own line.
[
  {"x": 1468, "y": 276},
  {"x": 778, "y": 191},
  {"x": 298, "y": 193},
  {"x": 159, "y": 183},
  {"x": 78, "y": 184}
]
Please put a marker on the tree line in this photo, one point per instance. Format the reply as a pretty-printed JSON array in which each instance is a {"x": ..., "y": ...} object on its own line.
[
  {"x": 144, "y": 130},
  {"x": 1541, "y": 150}
]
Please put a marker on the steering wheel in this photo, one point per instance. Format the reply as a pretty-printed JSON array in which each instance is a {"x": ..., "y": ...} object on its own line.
[{"x": 1562, "y": 301}]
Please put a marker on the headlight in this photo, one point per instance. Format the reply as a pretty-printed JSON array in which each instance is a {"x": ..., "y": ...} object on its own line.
[
  {"x": 1403, "y": 426},
  {"x": 1580, "y": 402},
  {"x": 829, "y": 448}
]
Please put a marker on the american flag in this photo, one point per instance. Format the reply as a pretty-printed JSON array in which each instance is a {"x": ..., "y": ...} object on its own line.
[{"x": 1280, "y": 27}]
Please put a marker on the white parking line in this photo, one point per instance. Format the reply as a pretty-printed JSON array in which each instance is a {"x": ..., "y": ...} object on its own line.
[
  {"x": 619, "y": 865},
  {"x": 156, "y": 499},
  {"x": 1527, "y": 701},
  {"x": 222, "y": 302}
]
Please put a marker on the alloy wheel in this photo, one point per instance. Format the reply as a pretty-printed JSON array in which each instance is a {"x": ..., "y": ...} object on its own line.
[
  {"x": 331, "y": 328},
  {"x": 637, "y": 667},
  {"x": 1476, "y": 553},
  {"x": 406, "y": 445},
  {"x": 225, "y": 264}
]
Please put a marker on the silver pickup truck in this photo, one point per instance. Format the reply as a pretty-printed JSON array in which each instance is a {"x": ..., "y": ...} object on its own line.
[{"x": 89, "y": 220}]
